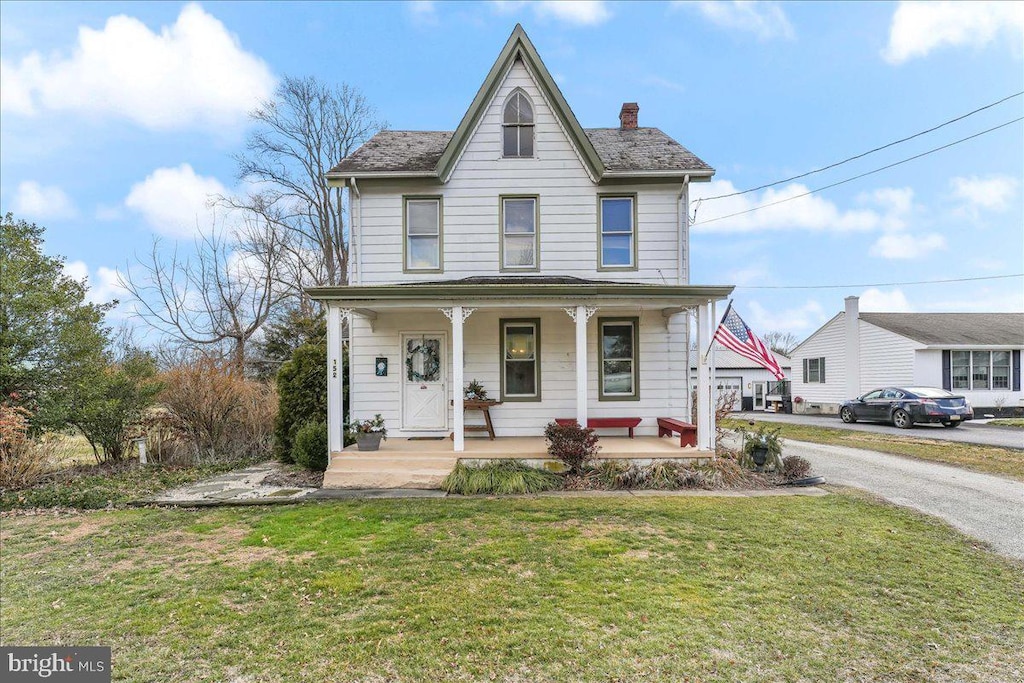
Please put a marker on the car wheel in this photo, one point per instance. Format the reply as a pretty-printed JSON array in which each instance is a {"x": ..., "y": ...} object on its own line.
[
  {"x": 847, "y": 415},
  {"x": 950, "y": 424},
  {"x": 901, "y": 419}
]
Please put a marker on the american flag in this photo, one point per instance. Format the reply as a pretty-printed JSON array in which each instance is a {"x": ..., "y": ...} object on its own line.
[{"x": 734, "y": 334}]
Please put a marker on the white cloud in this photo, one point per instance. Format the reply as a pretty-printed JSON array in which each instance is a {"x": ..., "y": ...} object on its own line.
[
  {"x": 578, "y": 12},
  {"x": 907, "y": 245},
  {"x": 917, "y": 28},
  {"x": 176, "y": 202},
  {"x": 893, "y": 301},
  {"x": 799, "y": 320},
  {"x": 806, "y": 213},
  {"x": 42, "y": 202},
  {"x": 104, "y": 283},
  {"x": 193, "y": 73},
  {"x": 766, "y": 20},
  {"x": 993, "y": 192},
  {"x": 664, "y": 83},
  {"x": 424, "y": 11}
]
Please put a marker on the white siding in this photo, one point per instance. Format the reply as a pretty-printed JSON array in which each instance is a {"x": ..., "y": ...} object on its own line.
[
  {"x": 662, "y": 368},
  {"x": 886, "y": 358},
  {"x": 928, "y": 373},
  {"x": 828, "y": 342},
  {"x": 567, "y": 198}
]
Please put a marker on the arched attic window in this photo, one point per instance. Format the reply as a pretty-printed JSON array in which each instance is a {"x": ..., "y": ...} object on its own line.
[{"x": 517, "y": 125}]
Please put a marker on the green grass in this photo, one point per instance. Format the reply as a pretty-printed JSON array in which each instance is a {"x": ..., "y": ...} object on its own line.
[
  {"x": 97, "y": 486},
  {"x": 499, "y": 477},
  {"x": 837, "y": 588},
  {"x": 1008, "y": 422},
  {"x": 1007, "y": 462}
]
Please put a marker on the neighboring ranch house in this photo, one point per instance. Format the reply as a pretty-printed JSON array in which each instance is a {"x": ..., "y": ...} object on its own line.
[
  {"x": 754, "y": 385},
  {"x": 547, "y": 261},
  {"x": 977, "y": 355}
]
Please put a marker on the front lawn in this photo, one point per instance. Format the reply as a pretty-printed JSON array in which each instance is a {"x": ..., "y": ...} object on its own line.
[
  {"x": 1007, "y": 462},
  {"x": 621, "y": 588}
]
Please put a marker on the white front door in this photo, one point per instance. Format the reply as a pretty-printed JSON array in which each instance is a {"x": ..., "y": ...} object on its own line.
[
  {"x": 759, "y": 391},
  {"x": 424, "y": 395}
]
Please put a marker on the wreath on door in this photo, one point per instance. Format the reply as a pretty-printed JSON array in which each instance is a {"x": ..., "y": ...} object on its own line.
[{"x": 429, "y": 351}]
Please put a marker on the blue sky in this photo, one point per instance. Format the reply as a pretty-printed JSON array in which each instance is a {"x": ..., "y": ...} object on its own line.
[{"x": 118, "y": 118}]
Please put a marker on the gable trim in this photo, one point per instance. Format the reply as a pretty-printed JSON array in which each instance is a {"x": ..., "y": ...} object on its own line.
[{"x": 518, "y": 44}]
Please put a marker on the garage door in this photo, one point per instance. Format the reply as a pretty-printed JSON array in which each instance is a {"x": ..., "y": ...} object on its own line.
[{"x": 727, "y": 386}]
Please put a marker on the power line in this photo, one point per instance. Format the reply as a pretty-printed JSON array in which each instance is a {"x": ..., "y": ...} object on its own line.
[
  {"x": 858, "y": 177},
  {"x": 883, "y": 284},
  {"x": 864, "y": 154}
]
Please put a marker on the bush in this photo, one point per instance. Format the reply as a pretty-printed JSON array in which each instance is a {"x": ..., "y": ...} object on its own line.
[
  {"x": 766, "y": 437},
  {"x": 499, "y": 476},
  {"x": 310, "y": 448},
  {"x": 216, "y": 412},
  {"x": 23, "y": 460},
  {"x": 302, "y": 396},
  {"x": 795, "y": 467},
  {"x": 574, "y": 445}
]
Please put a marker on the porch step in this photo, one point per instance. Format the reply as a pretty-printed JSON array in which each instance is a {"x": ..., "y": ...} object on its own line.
[{"x": 380, "y": 471}]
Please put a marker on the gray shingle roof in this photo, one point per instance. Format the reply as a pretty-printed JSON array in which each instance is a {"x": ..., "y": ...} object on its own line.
[
  {"x": 934, "y": 329},
  {"x": 640, "y": 149}
]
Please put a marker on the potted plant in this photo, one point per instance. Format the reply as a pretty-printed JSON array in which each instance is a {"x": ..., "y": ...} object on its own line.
[
  {"x": 763, "y": 449},
  {"x": 368, "y": 433},
  {"x": 476, "y": 392}
]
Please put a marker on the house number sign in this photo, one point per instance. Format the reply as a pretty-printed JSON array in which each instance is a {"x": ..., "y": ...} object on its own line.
[{"x": 334, "y": 368}]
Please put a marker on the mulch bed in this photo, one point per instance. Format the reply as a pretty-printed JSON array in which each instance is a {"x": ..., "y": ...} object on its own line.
[{"x": 292, "y": 476}]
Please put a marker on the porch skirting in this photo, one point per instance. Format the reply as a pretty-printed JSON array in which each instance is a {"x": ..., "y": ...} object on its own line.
[{"x": 414, "y": 463}]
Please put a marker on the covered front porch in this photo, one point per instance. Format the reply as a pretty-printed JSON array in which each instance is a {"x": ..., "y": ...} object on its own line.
[{"x": 424, "y": 462}]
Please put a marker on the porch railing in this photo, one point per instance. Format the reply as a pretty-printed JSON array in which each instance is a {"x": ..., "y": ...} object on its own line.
[{"x": 779, "y": 388}]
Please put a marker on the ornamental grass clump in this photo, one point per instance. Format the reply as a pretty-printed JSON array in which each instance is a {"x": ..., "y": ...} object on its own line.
[
  {"x": 499, "y": 477},
  {"x": 574, "y": 445}
]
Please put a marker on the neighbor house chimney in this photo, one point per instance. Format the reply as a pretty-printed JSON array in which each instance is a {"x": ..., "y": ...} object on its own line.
[
  {"x": 627, "y": 117},
  {"x": 852, "y": 347}
]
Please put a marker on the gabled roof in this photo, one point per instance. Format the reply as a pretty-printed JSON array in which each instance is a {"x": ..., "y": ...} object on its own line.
[
  {"x": 953, "y": 329},
  {"x": 607, "y": 152}
]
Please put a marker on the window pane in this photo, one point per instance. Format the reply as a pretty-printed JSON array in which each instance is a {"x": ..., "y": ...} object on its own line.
[
  {"x": 520, "y": 378},
  {"x": 423, "y": 252},
  {"x": 526, "y": 141},
  {"x": 421, "y": 217},
  {"x": 1000, "y": 358},
  {"x": 511, "y": 144},
  {"x": 618, "y": 377},
  {"x": 813, "y": 370},
  {"x": 519, "y": 216},
  {"x": 519, "y": 251},
  {"x": 979, "y": 370},
  {"x": 961, "y": 358},
  {"x": 525, "y": 110},
  {"x": 617, "y": 215},
  {"x": 519, "y": 342},
  {"x": 616, "y": 250},
  {"x": 617, "y": 341},
  {"x": 511, "y": 114}
]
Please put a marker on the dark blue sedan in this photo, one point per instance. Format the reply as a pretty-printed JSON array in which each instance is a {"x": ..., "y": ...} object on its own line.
[{"x": 904, "y": 407}]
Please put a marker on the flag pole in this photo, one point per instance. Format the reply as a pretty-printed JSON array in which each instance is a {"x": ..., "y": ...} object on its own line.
[{"x": 724, "y": 315}]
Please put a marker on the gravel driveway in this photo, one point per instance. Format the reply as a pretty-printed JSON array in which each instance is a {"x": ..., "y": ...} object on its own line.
[
  {"x": 989, "y": 435},
  {"x": 984, "y": 506}
]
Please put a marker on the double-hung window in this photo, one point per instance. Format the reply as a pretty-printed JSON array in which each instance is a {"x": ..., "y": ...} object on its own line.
[
  {"x": 423, "y": 234},
  {"x": 814, "y": 370},
  {"x": 618, "y": 351},
  {"x": 517, "y": 126},
  {"x": 617, "y": 233},
  {"x": 520, "y": 360},
  {"x": 519, "y": 242}
]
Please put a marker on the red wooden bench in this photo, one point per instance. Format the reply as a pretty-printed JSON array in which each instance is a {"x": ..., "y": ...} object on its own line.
[
  {"x": 605, "y": 423},
  {"x": 687, "y": 432}
]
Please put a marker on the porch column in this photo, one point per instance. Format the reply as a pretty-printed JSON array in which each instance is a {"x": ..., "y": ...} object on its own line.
[
  {"x": 581, "y": 315},
  {"x": 335, "y": 396},
  {"x": 457, "y": 315},
  {"x": 705, "y": 420}
]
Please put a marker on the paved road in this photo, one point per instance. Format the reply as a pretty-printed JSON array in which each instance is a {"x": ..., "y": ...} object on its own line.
[
  {"x": 989, "y": 435},
  {"x": 984, "y": 506}
]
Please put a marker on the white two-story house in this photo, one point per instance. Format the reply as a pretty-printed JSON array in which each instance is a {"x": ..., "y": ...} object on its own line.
[{"x": 547, "y": 261}]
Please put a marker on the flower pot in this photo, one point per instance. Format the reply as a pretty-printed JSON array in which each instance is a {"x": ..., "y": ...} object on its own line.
[
  {"x": 759, "y": 454},
  {"x": 369, "y": 441}
]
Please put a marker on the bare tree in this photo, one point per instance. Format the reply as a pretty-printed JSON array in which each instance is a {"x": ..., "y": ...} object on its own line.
[
  {"x": 781, "y": 342},
  {"x": 301, "y": 134},
  {"x": 215, "y": 299}
]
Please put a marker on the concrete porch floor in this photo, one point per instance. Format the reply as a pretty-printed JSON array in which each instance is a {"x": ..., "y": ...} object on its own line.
[{"x": 416, "y": 463}]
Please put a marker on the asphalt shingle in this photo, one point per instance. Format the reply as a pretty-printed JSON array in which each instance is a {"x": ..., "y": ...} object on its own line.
[{"x": 954, "y": 329}]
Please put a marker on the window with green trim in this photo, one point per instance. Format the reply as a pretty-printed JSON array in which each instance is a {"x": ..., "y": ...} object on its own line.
[
  {"x": 519, "y": 233},
  {"x": 520, "y": 360},
  {"x": 423, "y": 233},
  {"x": 618, "y": 233},
  {"x": 619, "y": 352}
]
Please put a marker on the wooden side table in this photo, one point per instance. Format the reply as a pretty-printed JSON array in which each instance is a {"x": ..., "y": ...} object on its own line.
[{"x": 485, "y": 408}]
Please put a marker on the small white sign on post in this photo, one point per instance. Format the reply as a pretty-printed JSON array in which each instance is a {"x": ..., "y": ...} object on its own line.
[{"x": 141, "y": 445}]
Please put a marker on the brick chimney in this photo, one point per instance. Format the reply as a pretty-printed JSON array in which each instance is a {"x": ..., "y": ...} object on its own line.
[{"x": 627, "y": 117}]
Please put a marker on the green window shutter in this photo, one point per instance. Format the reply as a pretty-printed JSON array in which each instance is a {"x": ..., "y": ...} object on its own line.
[
  {"x": 805, "y": 371},
  {"x": 821, "y": 369}
]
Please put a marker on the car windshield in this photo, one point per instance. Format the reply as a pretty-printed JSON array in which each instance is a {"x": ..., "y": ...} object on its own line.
[{"x": 928, "y": 392}]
